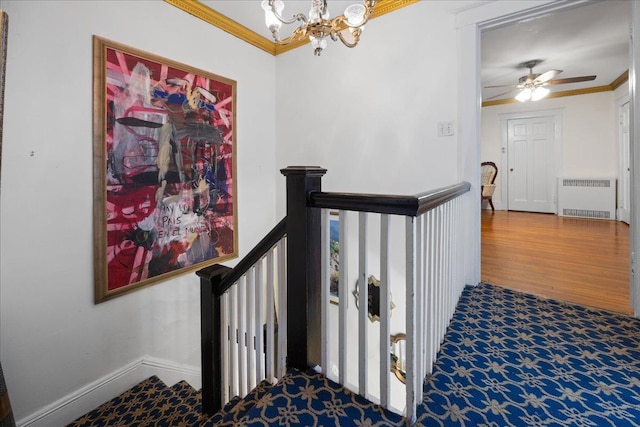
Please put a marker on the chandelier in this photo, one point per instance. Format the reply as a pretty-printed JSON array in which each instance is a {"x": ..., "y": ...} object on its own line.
[{"x": 318, "y": 27}]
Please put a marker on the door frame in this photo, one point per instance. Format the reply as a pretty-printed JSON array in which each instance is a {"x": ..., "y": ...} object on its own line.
[
  {"x": 556, "y": 113},
  {"x": 494, "y": 15},
  {"x": 620, "y": 102}
]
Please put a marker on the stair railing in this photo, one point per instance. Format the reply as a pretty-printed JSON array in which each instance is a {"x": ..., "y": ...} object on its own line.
[
  {"x": 242, "y": 340},
  {"x": 432, "y": 282},
  {"x": 432, "y": 264}
]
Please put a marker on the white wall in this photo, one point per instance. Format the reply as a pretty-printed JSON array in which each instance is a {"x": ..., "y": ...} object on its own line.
[
  {"x": 53, "y": 339},
  {"x": 369, "y": 115},
  {"x": 589, "y": 144}
]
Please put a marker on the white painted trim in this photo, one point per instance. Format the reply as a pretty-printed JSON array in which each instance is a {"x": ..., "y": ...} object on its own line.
[
  {"x": 469, "y": 146},
  {"x": 634, "y": 75},
  {"x": 494, "y": 11},
  {"x": 92, "y": 395},
  {"x": 620, "y": 103},
  {"x": 622, "y": 100}
]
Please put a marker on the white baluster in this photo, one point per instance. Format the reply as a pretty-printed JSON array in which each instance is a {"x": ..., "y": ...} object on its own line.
[
  {"x": 431, "y": 293},
  {"x": 324, "y": 291},
  {"x": 385, "y": 316},
  {"x": 242, "y": 349},
  {"x": 282, "y": 308},
  {"x": 270, "y": 318},
  {"x": 343, "y": 290},
  {"x": 410, "y": 236},
  {"x": 250, "y": 313},
  {"x": 439, "y": 307},
  {"x": 363, "y": 303},
  {"x": 259, "y": 320},
  {"x": 224, "y": 350},
  {"x": 449, "y": 264},
  {"x": 419, "y": 306},
  {"x": 233, "y": 342}
]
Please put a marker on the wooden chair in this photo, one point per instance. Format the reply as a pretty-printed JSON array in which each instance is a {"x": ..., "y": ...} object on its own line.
[{"x": 488, "y": 171}]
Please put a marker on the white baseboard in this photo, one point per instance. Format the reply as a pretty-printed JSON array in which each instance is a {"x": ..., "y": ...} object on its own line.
[{"x": 100, "y": 391}]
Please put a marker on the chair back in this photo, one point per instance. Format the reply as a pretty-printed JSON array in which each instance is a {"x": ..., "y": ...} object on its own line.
[{"x": 488, "y": 171}]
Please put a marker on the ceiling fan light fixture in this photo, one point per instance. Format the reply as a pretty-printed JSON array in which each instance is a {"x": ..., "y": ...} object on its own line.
[
  {"x": 532, "y": 86},
  {"x": 524, "y": 95},
  {"x": 539, "y": 93}
]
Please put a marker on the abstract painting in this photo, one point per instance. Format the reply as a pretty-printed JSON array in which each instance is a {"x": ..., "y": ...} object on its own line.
[{"x": 164, "y": 169}]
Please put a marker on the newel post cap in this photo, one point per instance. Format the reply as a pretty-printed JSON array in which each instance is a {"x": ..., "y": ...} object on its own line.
[{"x": 315, "y": 171}]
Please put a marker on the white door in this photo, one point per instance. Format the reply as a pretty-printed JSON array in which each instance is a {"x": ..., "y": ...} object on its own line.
[
  {"x": 624, "y": 182},
  {"x": 530, "y": 167}
]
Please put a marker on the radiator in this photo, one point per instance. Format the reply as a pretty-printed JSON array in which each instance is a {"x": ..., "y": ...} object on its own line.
[{"x": 587, "y": 197}]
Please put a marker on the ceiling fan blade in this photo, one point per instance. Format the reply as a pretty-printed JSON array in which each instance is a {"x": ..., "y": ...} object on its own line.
[
  {"x": 546, "y": 76},
  {"x": 501, "y": 94},
  {"x": 571, "y": 80},
  {"x": 488, "y": 87}
]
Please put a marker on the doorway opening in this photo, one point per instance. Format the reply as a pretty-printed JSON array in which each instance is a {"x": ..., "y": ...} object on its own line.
[{"x": 531, "y": 170}]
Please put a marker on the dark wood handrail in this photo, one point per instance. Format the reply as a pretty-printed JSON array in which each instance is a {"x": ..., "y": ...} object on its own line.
[
  {"x": 229, "y": 277},
  {"x": 432, "y": 199},
  {"x": 388, "y": 204}
]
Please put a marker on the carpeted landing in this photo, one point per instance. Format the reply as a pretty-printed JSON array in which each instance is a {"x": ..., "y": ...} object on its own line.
[
  {"x": 511, "y": 359},
  {"x": 508, "y": 359}
]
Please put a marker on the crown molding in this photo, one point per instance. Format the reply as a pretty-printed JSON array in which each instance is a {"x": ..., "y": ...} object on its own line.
[
  {"x": 204, "y": 12},
  {"x": 383, "y": 7},
  {"x": 606, "y": 88},
  {"x": 620, "y": 80}
]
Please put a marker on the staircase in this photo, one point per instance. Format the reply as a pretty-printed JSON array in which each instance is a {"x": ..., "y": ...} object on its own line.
[
  {"x": 254, "y": 325},
  {"x": 299, "y": 398}
]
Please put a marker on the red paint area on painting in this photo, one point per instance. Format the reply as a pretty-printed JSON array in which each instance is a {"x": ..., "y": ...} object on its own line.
[{"x": 169, "y": 169}]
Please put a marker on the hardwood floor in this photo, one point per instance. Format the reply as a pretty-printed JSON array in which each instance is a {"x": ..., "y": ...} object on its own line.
[{"x": 570, "y": 259}]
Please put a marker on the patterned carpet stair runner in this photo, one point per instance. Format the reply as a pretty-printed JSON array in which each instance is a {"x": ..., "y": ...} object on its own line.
[
  {"x": 232, "y": 414},
  {"x": 310, "y": 399},
  {"x": 299, "y": 399},
  {"x": 149, "y": 403}
]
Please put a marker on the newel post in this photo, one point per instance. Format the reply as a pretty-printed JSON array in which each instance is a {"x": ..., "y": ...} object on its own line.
[
  {"x": 303, "y": 267},
  {"x": 211, "y": 337}
]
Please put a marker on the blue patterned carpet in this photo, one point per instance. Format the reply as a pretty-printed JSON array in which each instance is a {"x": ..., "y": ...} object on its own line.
[
  {"x": 511, "y": 359},
  {"x": 508, "y": 359}
]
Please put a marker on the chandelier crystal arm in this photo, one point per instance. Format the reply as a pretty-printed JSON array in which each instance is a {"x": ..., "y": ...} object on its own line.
[
  {"x": 299, "y": 33},
  {"x": 356, "y": 38},
  {"x": 297, "y": 17}
]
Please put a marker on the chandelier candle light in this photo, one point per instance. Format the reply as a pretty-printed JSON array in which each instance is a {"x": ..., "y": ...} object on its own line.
[{"x": 318, "y": 27}]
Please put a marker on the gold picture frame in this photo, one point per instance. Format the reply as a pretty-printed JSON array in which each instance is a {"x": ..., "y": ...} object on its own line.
[
  {"x": 165, "y": 197},
  {"x": 4, "y": 33}
]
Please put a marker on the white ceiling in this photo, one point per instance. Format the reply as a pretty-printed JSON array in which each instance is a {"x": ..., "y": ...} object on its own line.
[{"x": 585, "y": 40}]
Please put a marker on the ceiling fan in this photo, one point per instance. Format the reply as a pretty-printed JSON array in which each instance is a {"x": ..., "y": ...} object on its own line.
[{"x": 532, "y": 85}]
